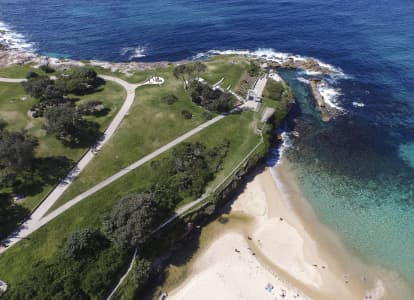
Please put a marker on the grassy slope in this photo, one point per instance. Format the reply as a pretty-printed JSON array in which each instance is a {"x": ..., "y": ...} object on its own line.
[
  {"x": 149, "y": 125},
  {"x": 15, "y": 112},
  {"x": 44, "y": 243},
  {"x": 18, "y": 71},
  {"x": 229, "y": 67}
]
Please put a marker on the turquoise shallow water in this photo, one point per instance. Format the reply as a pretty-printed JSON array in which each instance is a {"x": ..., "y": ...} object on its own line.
[{"x": 358, "y": 181}]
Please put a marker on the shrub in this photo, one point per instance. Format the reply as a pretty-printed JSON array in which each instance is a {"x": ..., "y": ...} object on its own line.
[
  {"x": 186, "y": 114},
  {"x": 254, "y": 69},
  {"x": 47, "y": 69},
  {"x": 93, "y": 107},
  {"x": 131, "y": 220},
  {"x": 213, "y": 100},
  {"x": 169, "y": 99},
  {"x": 84, "y": 242}
]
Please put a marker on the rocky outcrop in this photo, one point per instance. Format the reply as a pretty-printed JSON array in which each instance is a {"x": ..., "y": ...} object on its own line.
[
  {"x": 306, "y": 64},
  {"x": 326, "y": 116},
  {"x": 9, "y": 57}
]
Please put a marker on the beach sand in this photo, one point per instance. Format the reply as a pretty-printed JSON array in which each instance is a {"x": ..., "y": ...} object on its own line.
[{"x": 281, "y": 245}]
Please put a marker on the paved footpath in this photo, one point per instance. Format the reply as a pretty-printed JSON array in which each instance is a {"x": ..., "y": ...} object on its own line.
[
  {"x": 34, "y": 221},
  {"x": 38, "y": 219}
]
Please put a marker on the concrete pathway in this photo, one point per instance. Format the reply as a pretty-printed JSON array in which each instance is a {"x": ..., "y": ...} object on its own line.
[
  {"x": 32, "y": 224},
  {"x": 11, "y": 80}
]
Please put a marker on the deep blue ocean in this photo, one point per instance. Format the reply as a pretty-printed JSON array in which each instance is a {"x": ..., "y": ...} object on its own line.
[{"x": 357, "y": 170}]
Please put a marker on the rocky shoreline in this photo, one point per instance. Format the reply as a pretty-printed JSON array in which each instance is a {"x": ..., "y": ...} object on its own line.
[{"x": 10, "y": 56}]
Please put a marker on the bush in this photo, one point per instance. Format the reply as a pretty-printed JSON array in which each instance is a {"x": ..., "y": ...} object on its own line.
[
  {"x": 94, "y": 107},
  {"x": 212, "y": 100},
  {"x": 274, "y": 90},
  {"x": 186, "y": 114},
  {"x": 84, "y": 242},
  {"x": 47, "y": 69},
  {"x": 254, "y": 69},
  {"x": 79, "y": 81},
  {"x": 31, "y": 74},
  {"x": 141, "y": 273},
  {"x": 131, "y": 221},
  {"x": 169, "y": 99}
]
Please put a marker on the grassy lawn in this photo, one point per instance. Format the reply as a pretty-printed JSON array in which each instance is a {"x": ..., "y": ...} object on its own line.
[
  {"x": 15, "y": 111},
  {"x": 45, "y": 242},
  {"x": 150, "y": 124},
  {"x": 18, "y": 71},
  {"x": 229, "y": 67}
]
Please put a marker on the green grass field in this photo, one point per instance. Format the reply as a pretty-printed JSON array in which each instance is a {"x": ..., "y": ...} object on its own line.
[
  {"x": 45, "y": 242},
  {"x": 229, "y": 67},
  {"x": 14, "y": 108},
  {"x": 150, "y": 124},
  {"x": 18, "y": 71}
]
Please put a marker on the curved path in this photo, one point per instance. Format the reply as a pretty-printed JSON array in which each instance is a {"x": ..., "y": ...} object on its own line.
[
  {"x": 34, "y": 221},
  {"x": 38, "y": 218}
]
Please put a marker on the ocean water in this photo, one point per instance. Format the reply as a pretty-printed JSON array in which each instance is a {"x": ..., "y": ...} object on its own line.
[{"x": 357, "y": 170}]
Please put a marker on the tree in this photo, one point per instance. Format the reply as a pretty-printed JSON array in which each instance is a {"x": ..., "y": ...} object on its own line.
[
  {"x": 93, "y": 107},
  {"x": 180, "y": 72},
  {"x": 132, "y": 220},
  {"x": 254, "y": 69},
  {"x": 17, "y": 153},
  {"x": 79, "y": 81},
  {"x": 3, "y": 124},
  {"x": 141, "y": 273},
  {"x": 199, "y": 68},
  {"x": 84, "y": 242},
  {"x": 37, "y": 85},
  {"x": 63, "y": 121}
]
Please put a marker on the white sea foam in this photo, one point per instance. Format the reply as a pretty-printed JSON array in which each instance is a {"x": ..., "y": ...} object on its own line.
[
  {"x": 286, "y": 144},
  {"x": 275, "y": 56},
  {"x": 134, "y": 52},
  {"x": 14, "y": 40},
  {"x": 302, "y": 79},
  {"x": 330, "y": 95},
  {"x": 358, "y": 104}
]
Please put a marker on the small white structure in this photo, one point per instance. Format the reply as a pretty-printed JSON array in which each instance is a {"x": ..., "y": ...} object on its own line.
[
  {"x": 3, "y": 287},
  {"x": 274, "y": 76},
  {"x": 155, "y": 80}
]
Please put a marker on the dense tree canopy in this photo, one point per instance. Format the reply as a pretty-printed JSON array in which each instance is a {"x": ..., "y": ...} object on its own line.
[
  {"x": 211, "y": 99},
  {"x": 79, "y": 81},
  {"x": 17, "y": 153},
  {"x": 189, "y": 72},
  {"x": 132, "y": 220},
  {"x": 63, "y": 121},
  {"x": 84, "y": 242}
]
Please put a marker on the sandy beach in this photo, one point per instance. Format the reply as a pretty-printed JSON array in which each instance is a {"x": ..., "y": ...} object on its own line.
[{"x": 276, "y": 254}]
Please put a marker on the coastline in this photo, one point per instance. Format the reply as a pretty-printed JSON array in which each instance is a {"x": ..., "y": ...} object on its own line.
[{"x": 293, "y": 252}]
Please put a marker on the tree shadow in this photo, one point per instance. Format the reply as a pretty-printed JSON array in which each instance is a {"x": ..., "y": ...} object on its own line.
[
  {"x": 46, "y": 171},
  {"x": 101, "y": 113},
  {"x": 11, "y": 215},
  {"x": 86, "y": 135}
]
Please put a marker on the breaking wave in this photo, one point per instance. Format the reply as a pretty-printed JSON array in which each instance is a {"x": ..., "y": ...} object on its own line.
[
  {"x": 327, "y": 90},
  {"x": 13, "y": 39},
  {"x": 134, "y": 52}
]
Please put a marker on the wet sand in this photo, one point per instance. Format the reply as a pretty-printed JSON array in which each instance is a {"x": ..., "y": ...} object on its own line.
[{"x": 272, "y": 239}]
